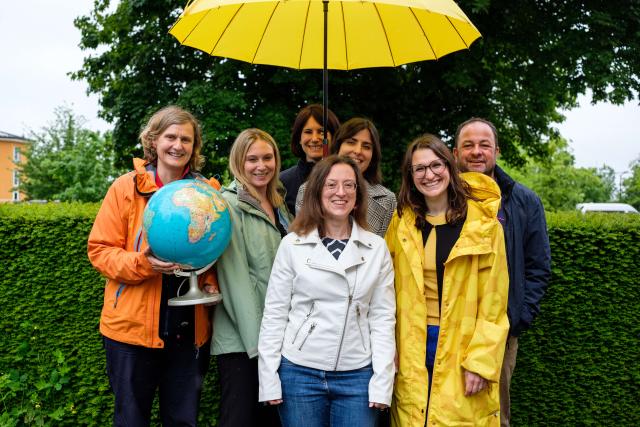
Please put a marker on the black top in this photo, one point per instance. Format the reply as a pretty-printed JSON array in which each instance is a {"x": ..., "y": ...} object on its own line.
[{"x": 292, "y": 179}]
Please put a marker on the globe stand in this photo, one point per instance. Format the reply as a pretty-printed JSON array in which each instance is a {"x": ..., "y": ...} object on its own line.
[{"x": 194, "y": 295}]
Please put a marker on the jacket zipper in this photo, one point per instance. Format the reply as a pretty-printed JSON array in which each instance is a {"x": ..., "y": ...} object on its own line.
[
  {"x": 311, "y": 328},
  {"x": 303, "y": 322},
  {"x": 344, "y": 326},
  {"x": 360, "y": 327},
  {"x": 118, "y": 293}
]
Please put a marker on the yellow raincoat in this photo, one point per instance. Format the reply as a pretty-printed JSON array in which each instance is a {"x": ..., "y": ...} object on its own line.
[{"x": 473, "y": 320}]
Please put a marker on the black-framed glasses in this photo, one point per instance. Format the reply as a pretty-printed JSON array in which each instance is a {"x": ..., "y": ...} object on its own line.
[{"x": 420, "y": 170}]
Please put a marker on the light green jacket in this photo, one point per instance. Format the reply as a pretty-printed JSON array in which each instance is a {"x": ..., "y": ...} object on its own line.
[{"x": 243, "y": 273}]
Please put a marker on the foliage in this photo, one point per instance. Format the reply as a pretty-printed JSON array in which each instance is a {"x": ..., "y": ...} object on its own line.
[
  {"x": 578, "y": 365},
  {"x": 631, "y": 186},
  {"x": 534, "y": 58},
  {"x": 582, "y": 350},
  {"x": 561, "y": 185},
  {"x": 68, "y": 162},
  {"x": 52, "y": 363}
]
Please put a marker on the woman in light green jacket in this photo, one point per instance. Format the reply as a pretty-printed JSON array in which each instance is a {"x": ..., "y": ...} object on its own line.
[{"x": 260, "y": 219}]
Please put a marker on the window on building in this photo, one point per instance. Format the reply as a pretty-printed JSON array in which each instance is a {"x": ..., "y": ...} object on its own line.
[
  {"x": 16, "y": 178},
  {"x": 16, "y": 196},
  {"x": 16, "y": 154}
]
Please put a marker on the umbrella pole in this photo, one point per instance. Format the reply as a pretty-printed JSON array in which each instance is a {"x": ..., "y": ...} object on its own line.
[{"x": 325, "y": 83}]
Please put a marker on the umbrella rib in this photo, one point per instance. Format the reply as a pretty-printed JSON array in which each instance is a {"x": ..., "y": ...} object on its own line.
[
  {"x": 192, "y": 28},
  {"x": 304, "y": 32},
  {"x": 344, "y": 31},
  {"x": 263, "y": 33},
  {"x": 386, "y": 36},
  {"x": 458, "y": 33},
  {"x": 424, "y": 33},
  {"x": 225, "y": 29}
]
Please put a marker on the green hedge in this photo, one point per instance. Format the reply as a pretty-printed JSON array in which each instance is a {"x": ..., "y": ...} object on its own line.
[{"x": 579, "y": 365}]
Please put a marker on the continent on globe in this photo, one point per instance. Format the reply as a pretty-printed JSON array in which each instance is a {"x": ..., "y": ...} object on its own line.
[{"x": 202, "y": 209}]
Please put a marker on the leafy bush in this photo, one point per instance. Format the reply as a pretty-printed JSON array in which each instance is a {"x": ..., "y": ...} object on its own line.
[{"x": 578, "y": 365}]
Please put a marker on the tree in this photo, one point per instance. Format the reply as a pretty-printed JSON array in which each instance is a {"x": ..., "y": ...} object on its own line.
[
  {"x": 560, "y": 185},
  {"x": 535, "y": 57},
  {"x": 68, "y": 162},
  {"x": 631, "y": 186}
]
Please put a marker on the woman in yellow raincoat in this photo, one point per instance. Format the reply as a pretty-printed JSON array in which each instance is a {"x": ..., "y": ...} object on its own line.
[{"x": 451, "y": 282}]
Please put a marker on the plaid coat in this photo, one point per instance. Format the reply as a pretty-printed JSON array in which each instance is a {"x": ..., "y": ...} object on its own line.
[{"x": 473, "y": 320}]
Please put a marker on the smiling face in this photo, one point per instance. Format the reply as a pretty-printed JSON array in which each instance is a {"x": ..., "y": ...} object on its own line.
[
  {"x": 359, "y": 147},
  {"x": 311, "y": 140},
  {"x": 433, "y": 186},
  {"x": 260, "y": 165},
  {"x": 174, "y": 147},
  {"x": 476, "y": 149},
  {"x": 339, "y": 193}
]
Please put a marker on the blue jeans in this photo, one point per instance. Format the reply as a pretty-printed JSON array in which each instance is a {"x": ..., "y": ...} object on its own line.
[
  {"x": 316, "y": 398},
  {"x": 432, "y": 345}
]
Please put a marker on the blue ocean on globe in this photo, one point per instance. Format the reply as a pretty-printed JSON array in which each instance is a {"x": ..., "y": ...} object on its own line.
[{"x": 187, "y": 222}]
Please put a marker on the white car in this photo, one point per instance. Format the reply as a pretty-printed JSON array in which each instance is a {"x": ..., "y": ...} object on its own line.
[{"x": 606, "y": 207}]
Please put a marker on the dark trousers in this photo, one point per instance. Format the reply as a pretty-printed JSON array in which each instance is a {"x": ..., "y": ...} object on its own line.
[
  {"x": 239, "y": 406},
  {"x": 135, "y": 373}
]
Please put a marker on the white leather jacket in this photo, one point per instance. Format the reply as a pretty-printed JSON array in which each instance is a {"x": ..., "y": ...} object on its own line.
[{"x": 328, "y": 314}]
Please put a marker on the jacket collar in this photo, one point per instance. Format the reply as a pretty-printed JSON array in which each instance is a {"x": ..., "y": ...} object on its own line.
[
  {"x": 505, "y": 182},
  {"x": 145, "y": 177},
  {"x": 353, "y": 254},
  {"x": 376, "y": 190}
]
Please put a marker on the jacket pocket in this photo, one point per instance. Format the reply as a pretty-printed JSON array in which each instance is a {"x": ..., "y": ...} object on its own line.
[
  {"x": 358, "y": 316},
  {"x": 304, "y": 321},
  {"x": 311, "y": 328}
]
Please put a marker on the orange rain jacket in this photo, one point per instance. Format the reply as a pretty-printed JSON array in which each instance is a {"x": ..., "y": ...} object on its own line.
[{"x": 131, "y": 310}]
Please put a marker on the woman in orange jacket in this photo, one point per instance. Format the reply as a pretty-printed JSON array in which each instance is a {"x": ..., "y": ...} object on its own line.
[{"x": 150, "y": 345}]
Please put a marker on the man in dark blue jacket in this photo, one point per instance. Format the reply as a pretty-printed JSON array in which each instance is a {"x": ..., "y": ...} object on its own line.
[{"x": 525, "y": 230}]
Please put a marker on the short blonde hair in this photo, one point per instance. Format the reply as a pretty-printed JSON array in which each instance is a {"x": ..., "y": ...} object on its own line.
[
  {"x": 237, "y": 157},
  {"x": 159, "y": 122}
]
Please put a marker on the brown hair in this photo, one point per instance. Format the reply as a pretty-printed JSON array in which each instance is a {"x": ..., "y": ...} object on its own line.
[
  {"x": 311, "y": 215},
  {"x": 238, "y": 155},
  {"x": 315, "y": 111},
  {"x": 476, "y": 120},
  {"x": 347, "y": 130},
  {"x": 159, "y": 122},
  {"x": 458, "y": 190}
]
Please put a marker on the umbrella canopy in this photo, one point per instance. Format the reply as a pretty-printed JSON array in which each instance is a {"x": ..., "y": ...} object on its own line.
[{"x": 361, "y": 33}]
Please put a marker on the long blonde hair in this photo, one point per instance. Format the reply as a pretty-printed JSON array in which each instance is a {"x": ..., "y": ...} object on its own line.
[{"x": 237, "y": 157}]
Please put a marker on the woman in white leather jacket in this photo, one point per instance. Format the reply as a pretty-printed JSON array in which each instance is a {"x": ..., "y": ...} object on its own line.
[{"x": 327, "y": 340}]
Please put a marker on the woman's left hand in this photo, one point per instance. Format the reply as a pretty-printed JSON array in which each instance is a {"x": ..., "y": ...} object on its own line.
[
  {"x": 473, "y": 383},
  {"x": 377, "y": 405}
]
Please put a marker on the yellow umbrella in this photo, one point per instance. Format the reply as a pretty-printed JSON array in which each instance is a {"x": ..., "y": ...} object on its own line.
[{"x": 327, "y": 34}]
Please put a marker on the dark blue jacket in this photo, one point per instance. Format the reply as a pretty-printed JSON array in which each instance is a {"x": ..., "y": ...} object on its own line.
[
  {"x": 292, "y": 179},
  {"x": 528, "y": 252}
]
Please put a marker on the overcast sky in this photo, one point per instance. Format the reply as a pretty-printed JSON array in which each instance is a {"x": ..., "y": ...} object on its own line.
[{"x": 40, "y": 46}]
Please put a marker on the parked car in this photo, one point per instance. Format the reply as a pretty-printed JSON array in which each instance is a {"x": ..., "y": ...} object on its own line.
[{"x": 606, "y": 207}]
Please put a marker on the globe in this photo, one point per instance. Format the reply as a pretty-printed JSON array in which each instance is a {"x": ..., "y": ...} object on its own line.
[{"x": 187, "y": 222}]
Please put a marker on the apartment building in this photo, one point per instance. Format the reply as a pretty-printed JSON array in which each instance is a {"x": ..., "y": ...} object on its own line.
[{"x": 12, "y": 149}]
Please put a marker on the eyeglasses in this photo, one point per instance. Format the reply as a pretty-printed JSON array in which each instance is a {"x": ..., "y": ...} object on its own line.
[
  {"x": 420, "y": 170},
  {"x": 347, "y": 186}
]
